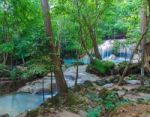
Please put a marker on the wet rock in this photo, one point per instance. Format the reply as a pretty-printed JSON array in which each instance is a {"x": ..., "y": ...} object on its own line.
[
  {"x": 36, "y": 86},
  {"x": 22, "y": 115},
  {"x": 133, "y": 82},
  {"x": 4, "y": 115},
  {"x": 112, "y": 57},
  {"x": 144, "y": 89},
  {"x": 101, "y": 82},
  {"x": 70, "y": 75},
  {"x": 121, "y": 93},
  {"x": 49, "y": 74},
  {"x": 108, "y": 85},
  {"x": 26, "y": 89},
  {"x": 83, "y": 113},
  {"x": 88, "y": 84}
]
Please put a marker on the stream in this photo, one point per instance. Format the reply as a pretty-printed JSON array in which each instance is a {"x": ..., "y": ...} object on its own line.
[
  {"x": 19, "y": 102},
  {"x": 16, "y": 103},
  {"x": 30, "y": 96}
]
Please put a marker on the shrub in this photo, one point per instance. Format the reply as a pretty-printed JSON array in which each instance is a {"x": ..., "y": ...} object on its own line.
[
  {"x": 4, "y": 70},
  {"x": 37, "y": 67},
  {"x": 107, "y": 101},
  {"x": 100, "y": 67}
]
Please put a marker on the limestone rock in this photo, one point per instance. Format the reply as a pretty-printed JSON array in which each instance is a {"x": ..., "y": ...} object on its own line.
[
  {"x": 133, "y": 82},
  {"x": 108, "y": 85}
]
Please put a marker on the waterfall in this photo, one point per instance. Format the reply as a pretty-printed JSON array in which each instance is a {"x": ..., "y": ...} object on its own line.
[{"x": 123, "y": 53}]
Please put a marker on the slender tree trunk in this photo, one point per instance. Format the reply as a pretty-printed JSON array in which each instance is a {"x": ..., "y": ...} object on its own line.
[
  {"x": 93, "y": 38},
  {"x": 77, "y": 69},
  {"x": 61, "y": 83},
  {"x": 134, "y": 51},
  {"x": 5, "y": 57},
  {"x": 143, "y": 28},
  {"x": 82, "y": 40},
  {"x": 142, "y": 37}
]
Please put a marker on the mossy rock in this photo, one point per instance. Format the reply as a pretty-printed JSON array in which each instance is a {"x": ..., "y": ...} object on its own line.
[
  {"x": 33, "y": 113},
  {"x": 143, "y": 89},
  {"x": 4, "y": 115},
  {"x": 101, "y": 82},
  {"x": 134, "y": 68},
  {"x": 100, "y": 67}
]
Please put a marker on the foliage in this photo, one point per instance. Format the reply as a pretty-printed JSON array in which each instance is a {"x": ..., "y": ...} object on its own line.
[
  {"x": 4, "y": 70},
  {"x": 22, "y": 32},
  {"x": 102, "y": 67},
  {"x": 107, "y": 101},
  {"x": 96, "y": 112},
  {"x": 32, "y": 113},
  {"x": 37, "y": 67}
]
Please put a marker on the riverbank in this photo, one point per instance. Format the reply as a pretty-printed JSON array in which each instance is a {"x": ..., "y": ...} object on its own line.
[
  {"x": 96, "y": 98},
  {"x": 94, "y": 95},
  {"x": 93, "y": 100}
]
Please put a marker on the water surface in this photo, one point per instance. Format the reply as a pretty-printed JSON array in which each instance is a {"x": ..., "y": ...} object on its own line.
[{"x": 17, "y": 103}]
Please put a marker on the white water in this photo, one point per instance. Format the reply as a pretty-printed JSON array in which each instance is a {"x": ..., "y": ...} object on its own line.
[
  {"x": 106, "y": 50},
  {"x": 123, "y": 53}
]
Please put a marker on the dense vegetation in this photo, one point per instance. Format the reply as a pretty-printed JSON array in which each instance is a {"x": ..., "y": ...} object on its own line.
[{"x": 36, "y": 36}]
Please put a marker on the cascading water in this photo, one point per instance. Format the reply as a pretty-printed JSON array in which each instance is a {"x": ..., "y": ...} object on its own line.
[
  {"x": 123, "y": 52},
  {"x": 106, "y": 50}
]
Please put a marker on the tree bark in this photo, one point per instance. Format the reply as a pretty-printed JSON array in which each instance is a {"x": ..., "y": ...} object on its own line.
[
  {"x": 143, "y": 28},
  {"x": 93, "y": 38},
  {"x": 61, "y": 83},
  {"x": 134, "y": 51},
  {"x": 82, "y": 40},
  {"x": 142, "y": 37},
  {"x": 77, "y": 68}
]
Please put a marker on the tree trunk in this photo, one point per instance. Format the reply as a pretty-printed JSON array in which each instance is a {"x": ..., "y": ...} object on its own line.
[
  {"x": 61, "y": 83},
  {"x": 142, "y": 37},
  {"x": 93, "y": 38},
  {"x": 77, "y": 69},
  {"x": 82, "y": 40},
  {"x": 143, "y": 28}
]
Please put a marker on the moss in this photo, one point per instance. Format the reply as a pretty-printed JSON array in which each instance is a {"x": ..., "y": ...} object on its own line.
[
  {"x": 143, "y": 89},
  {"x": 100, "y": 67},
  {"x": 32, "y": 113},
  {"x": 134, "y": 68},
  {"x": 5, "y": 115}
]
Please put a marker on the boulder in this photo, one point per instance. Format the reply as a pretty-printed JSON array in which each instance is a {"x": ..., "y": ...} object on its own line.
[
  {"x": 108, "y": 85},
  {"x": 26, "y": 89},
  {"x": 4, "y": 115},
  {"x": 133, "y": 82},
  {"x": 36, "y": 86},
  {"x": 112, "y": 57}
]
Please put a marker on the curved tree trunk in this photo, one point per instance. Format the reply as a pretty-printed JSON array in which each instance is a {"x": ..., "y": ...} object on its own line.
[
  {"x": 134, "y": 51},
  {"x": 93, "y": 38},
  {"x": 143, "y": 28},
  {"x": 61, "y": 83}
]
